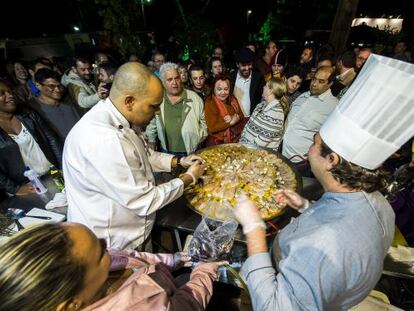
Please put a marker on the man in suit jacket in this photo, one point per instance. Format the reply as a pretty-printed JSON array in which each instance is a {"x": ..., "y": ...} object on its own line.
[{"x": 248, "y": 81}]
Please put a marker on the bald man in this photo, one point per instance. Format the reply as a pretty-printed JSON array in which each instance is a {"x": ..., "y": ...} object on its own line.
[{"x": 108, "y": 168}]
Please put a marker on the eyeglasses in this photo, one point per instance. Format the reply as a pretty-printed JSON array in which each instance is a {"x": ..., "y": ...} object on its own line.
[
  {"x": 362, "y": 59},
  {"x": 52, "y": 87}
]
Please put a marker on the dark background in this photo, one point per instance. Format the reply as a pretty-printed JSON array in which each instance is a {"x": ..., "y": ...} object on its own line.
[{"x": 213, "y": 21}]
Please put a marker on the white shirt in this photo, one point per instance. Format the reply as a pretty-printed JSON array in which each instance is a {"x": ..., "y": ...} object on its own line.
[
  {"x": 305, "y": 118},
  {"x": 32, "y": 155},
  {"x": 109, "y": 181},
  {"x": 242, "y": 93}
]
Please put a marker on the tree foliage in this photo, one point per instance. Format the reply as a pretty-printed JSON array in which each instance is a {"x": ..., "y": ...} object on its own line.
[
  {"x": 195, "y": 32},
  {"x": 289, "y": 19},
  {"x": 121, "y": 18}
]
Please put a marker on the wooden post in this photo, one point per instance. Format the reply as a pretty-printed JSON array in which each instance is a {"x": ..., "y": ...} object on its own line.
[{"x": 341, "y": 26}]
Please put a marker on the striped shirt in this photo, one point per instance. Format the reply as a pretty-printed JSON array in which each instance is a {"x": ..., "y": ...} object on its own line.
[{"x": 265, "y": 126}]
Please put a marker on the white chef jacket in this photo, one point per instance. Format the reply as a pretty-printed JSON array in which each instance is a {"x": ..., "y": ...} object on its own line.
[{"x": 109, "y": 181}]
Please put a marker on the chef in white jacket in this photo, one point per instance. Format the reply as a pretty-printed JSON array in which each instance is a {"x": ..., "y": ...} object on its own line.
[{"x": 108, "y": 168}]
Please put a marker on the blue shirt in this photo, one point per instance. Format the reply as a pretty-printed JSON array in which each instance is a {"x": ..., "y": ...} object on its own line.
[{"x": 329, "y": 258}]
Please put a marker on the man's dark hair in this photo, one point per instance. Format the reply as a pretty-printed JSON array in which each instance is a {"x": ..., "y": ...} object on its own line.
[
  {"x": 348, "y": 59},
  {"x": 294, "y": 70},
  {"x": 195, "y": 68},
  {"x": 309, "y": 47},
  {"x": 44, "y": 73},
  {"x": 109, "y": 67},
  {"x": 81, "y": 59},
  {"x": 355, "y": 176},
  {"x": 40, "y": 60}
]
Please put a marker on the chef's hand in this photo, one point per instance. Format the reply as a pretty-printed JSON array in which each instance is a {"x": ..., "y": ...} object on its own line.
[
  {"x": 227, "y": 119},
  {"x": 291, "y": 198},
  {"x": 187, "y": 161},
  {"x": 247, "y": 214},
  {"x": 182, "y": 259},
  {"x": 195, "y": 171}
]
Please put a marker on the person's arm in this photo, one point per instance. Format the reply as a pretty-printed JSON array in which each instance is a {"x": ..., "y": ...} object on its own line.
[
  {"x": 7, "y": 184},
  {"x": 87, "y": 101},
  {"x": 53, "y": 141},
  {"x": 128, "y": 259},
  {"x": 151, "y": 131},
  {"x": 82, "y": 99},
  {"x": 300, "y": 271},
  {"x": 196, "y": 293},
  {"x": 123, "y": 176},
  {"x": 202, "y": 121}
]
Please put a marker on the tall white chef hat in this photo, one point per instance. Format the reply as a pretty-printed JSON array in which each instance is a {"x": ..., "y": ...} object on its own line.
[{"x": 375, "y": 117}]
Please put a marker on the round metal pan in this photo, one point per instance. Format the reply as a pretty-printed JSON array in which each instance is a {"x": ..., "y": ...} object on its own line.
[{"x": 283, "y": 158}]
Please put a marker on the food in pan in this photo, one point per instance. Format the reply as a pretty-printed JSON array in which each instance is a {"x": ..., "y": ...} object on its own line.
[{"x": 233, "y": 169}]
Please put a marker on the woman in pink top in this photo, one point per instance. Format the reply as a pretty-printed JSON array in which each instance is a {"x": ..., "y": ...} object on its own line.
[{"x": 65, "y": 267}]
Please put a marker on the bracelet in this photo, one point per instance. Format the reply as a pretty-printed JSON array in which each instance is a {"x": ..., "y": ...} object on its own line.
[
  {"x": 305, "y": 206},
  {"x": 251, "y": 227}
]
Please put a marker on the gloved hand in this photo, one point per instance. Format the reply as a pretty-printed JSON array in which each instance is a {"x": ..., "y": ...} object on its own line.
[
  {"x": 187, "y": 161},
  {"x": 247, "y": 214},
  {"x": 182, "y": 259},
  {"x": 195, "y": 171},
  {"x": 294, "y": 200}
]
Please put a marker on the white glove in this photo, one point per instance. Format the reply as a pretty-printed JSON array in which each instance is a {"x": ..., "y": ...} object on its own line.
[
  {"x": 291, "y": 198},
  {"x": 189, "y": 160},
  {"x": 182, "y": 259},
  {"x": 247, "y": 214},
  {"x": 195, "y": 171}
]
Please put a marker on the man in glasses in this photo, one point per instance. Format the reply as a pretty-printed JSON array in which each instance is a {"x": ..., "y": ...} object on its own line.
[{"x": 60, "y": 114}]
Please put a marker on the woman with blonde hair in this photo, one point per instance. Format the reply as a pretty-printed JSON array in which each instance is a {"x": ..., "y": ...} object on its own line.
[
  {"x": 266, "y": 125},
  {"x": 65, "y": 267}
]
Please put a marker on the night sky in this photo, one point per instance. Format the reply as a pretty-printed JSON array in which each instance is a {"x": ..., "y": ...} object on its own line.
[
  {"x": 227, "y": 18},
  {"x": 37, "y": 18}
]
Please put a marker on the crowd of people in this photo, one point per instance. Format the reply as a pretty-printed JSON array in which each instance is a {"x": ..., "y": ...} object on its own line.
[{"x": 111, "y": 126}]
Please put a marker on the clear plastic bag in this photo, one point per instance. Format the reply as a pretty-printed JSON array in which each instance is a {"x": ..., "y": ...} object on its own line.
[{"x": 212, "y": 240}]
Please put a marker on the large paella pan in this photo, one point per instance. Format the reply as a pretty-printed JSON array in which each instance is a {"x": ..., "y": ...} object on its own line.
[{"x": 233, "y": 169}]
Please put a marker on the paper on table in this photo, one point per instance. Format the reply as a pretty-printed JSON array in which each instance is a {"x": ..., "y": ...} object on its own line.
[{"x": 28, "y": 221}]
